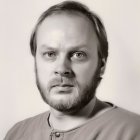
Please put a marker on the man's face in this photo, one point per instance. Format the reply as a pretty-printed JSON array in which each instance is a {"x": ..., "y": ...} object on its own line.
[{"x": 66, "y": 61}]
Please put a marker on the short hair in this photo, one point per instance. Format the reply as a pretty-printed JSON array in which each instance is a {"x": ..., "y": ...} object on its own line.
[{"x": 73, "y": 6}]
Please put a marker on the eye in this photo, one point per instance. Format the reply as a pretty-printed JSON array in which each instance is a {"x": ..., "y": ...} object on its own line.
[
  {"x": 49, "y": 55},
  {"x": 79, "y": 56}
]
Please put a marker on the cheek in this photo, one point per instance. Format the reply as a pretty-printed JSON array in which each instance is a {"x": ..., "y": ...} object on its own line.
[
  {"x": 44, "y": 71},
  {"x": 84, "y": 72}
]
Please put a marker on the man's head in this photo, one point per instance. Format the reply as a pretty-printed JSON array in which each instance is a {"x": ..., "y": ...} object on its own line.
[{"x": 70, "y": 48}]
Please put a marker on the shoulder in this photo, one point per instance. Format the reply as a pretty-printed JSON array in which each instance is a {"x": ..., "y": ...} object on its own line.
[
  {"x": 124, "y": 121},
  {"x": 116, "y": 123},
  {"x": 123, "y": 115},
  {"x": 118, "y": 115},
  {"x": 32, "y": 121},
  {"x": 26, "y": 125}
]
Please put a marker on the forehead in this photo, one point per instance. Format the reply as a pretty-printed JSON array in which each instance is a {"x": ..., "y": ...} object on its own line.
[
  {"x": 66, "y": 28},
  {"x": 73, "y": 15}
]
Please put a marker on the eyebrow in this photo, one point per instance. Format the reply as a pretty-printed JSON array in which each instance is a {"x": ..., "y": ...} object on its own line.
[
  {"x": 78, "y": 47},
  {"x": 46, "y": 47}
]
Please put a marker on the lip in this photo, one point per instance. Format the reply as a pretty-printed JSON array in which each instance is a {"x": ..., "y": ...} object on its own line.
[
  {"x": 63, "y": 88},
  {"x": 63, "y": 85}
]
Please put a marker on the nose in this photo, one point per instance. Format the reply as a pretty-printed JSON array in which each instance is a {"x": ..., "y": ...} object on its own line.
[{"x": 63, "y": 68}]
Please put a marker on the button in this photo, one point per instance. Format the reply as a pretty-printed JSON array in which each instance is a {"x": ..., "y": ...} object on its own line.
[{"x": 57, "y": 134}]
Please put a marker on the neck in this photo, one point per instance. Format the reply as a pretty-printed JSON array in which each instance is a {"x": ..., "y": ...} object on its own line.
[{"x": 64, "y": 121}]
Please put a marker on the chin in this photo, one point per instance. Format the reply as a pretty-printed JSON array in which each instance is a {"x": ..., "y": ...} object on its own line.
[
  {"x": 67, "y": 103},
  {"x": 62, "y": 101}
]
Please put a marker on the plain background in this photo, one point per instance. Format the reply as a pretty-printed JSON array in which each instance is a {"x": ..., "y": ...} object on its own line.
[{"x": 19, "y": 97}]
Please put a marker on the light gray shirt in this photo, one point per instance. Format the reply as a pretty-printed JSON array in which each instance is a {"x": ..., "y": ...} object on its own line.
[{"x": 114, "y": 124}]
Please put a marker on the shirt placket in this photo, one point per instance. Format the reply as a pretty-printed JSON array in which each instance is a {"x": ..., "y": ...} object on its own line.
[{"x": 55, "y": 135}]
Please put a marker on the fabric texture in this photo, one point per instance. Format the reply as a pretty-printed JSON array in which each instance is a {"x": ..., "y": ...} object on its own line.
[{"x": 113, "y": 124}]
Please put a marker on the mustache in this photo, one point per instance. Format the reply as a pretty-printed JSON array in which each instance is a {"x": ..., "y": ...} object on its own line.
[{"x": 61, "y": 81}]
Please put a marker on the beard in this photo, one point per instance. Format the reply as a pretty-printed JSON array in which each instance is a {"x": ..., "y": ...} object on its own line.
[{"x": 77, "y": 100}]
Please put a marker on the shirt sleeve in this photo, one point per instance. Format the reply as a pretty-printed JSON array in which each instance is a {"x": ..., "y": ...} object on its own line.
[{"x": 13, "y": 133}]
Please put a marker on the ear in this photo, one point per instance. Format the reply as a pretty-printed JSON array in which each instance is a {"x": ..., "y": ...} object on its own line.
[{"x": 102, "y": 66}]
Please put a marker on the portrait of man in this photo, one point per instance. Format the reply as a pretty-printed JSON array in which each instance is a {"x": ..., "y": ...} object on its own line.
[{"x": 69, "y": 45}]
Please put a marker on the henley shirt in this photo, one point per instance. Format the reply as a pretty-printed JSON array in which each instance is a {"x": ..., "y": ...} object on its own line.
[{"x": 114, "y": 124}]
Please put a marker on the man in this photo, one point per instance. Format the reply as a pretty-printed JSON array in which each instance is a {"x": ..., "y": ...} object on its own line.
[{"x": 70, "y": 49}]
